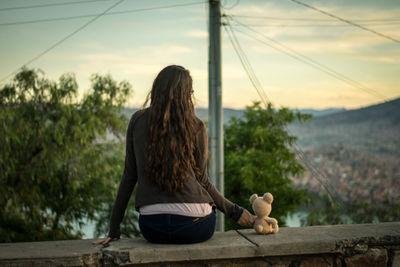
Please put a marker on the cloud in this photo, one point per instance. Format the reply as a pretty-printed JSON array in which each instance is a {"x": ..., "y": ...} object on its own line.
[
  {"x": 378, "y": 58},
  {"x": 347, "y": 44},
  {"x": 134, "y": 61}
]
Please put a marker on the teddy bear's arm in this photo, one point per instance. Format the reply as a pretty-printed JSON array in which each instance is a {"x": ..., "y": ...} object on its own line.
[{"x": 271, "y": 220}]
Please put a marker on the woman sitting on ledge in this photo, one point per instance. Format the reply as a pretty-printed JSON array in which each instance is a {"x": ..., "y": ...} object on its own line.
[{"x": 166, "y": 155}]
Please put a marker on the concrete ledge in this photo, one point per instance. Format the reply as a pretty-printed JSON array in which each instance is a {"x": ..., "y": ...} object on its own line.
[
  {"x": 50, "y": 253},
  {"x": 380, "y": 242}
]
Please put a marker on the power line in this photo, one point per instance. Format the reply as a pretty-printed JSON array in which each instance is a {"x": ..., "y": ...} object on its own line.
[
  {"x": 49, "y": 5},
  {"x": 347, "y": 21},
  {"x": 246, "y": 64},
  {"x": 65, "y": 38},
  {"x": 308, "y": 61},
  {"x": 94, "y": 15},
  {"x": 261, "y": 92},
  {"x": 315, "y": 172},
  {"x": 310, "y": 19},
  {"x": 322, "y": 68},
  {"x": 320, "y": 25}
]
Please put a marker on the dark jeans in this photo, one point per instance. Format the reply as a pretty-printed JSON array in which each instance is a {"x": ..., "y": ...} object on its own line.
[{"x": 177, "y": 229}]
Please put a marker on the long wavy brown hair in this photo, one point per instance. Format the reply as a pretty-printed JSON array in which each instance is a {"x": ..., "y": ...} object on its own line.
[{"x": 171, "y": 146}]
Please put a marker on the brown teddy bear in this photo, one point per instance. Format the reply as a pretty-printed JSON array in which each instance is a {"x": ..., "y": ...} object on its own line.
[{"x": 262, "y": 208}]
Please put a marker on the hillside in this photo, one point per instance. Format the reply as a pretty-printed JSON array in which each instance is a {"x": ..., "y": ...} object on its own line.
[
  {"x": 374, "y": 130},
  {"x": 388, "y": 112}
]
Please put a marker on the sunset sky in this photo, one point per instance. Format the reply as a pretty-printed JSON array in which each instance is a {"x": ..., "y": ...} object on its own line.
[{"x": 135, "y": 46}]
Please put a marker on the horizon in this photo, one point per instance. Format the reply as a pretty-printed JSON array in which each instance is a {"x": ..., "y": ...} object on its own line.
[
  {"x": 293, "y": 108},
  {"x": 135, "y": 46}
]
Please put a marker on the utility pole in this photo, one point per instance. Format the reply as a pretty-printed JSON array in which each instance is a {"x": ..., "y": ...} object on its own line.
[{"x": 215, "y": 128}]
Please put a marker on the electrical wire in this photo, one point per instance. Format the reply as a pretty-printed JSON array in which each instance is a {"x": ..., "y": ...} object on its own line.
[
  {"x": 248, "y": 68},
  {"x": 49, "y": 5},
  {"x": 347, "y": 21},
  {"x": 64, "y": 39},
  {"x": 246, "y": 64},
  {"x": 94, "y": 15},
  {"x": 261, "y": 92},
  {"x": 321, "y": 25},
  {"x": 310, "y": 62},
  {"x": 310, "y": 19},
  {"x": 316, "y": 173}
]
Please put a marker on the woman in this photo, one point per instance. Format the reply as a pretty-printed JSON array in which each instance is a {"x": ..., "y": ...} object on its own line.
[{"x": 166, "y": 155}]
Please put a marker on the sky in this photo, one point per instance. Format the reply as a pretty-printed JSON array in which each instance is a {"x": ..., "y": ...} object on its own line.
[{"x": 135, "y": 46}]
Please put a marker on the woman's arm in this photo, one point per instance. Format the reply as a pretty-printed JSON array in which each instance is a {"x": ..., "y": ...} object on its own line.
[
  {"x": 232, "y": 210},
  {"x": 127, "y": 184}
]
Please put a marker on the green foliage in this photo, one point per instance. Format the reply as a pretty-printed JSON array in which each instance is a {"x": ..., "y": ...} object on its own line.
[
  {"x": 258, "y": 159},
  {"x": 57, "y": 167},
  {"x": 363, "y": 212},
  {"x": 325, "y": 212}
]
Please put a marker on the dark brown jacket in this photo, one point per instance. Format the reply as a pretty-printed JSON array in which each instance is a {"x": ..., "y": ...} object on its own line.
[{"x": 148, "y": 192}]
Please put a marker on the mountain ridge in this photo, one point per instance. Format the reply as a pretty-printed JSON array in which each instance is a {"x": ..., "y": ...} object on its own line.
[{"x": 389, "y": 111}]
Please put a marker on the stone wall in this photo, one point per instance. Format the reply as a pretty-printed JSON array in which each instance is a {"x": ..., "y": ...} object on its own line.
[{"x": 338, "y": 245}]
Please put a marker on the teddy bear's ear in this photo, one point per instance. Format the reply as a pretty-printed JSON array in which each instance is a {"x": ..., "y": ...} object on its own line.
[
  {"x": 268, "y": 197},
  {"x": 253, "y": 197}
]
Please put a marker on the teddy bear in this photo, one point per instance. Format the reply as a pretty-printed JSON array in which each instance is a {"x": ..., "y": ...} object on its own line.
[{"x": 262, "y": 208}]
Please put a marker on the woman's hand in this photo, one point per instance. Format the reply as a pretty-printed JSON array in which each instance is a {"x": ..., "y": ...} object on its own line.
[
  {"x": 246, "y": 219},
  {"x": 103, "y": 241}
]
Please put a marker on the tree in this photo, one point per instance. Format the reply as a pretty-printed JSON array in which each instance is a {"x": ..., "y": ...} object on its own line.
[
  {"x": 58, "y": 166},
  {"x": 258, "y": 159}
]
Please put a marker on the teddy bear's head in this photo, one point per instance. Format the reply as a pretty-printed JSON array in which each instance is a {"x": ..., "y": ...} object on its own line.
[{"x": 262, "y": 205}]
